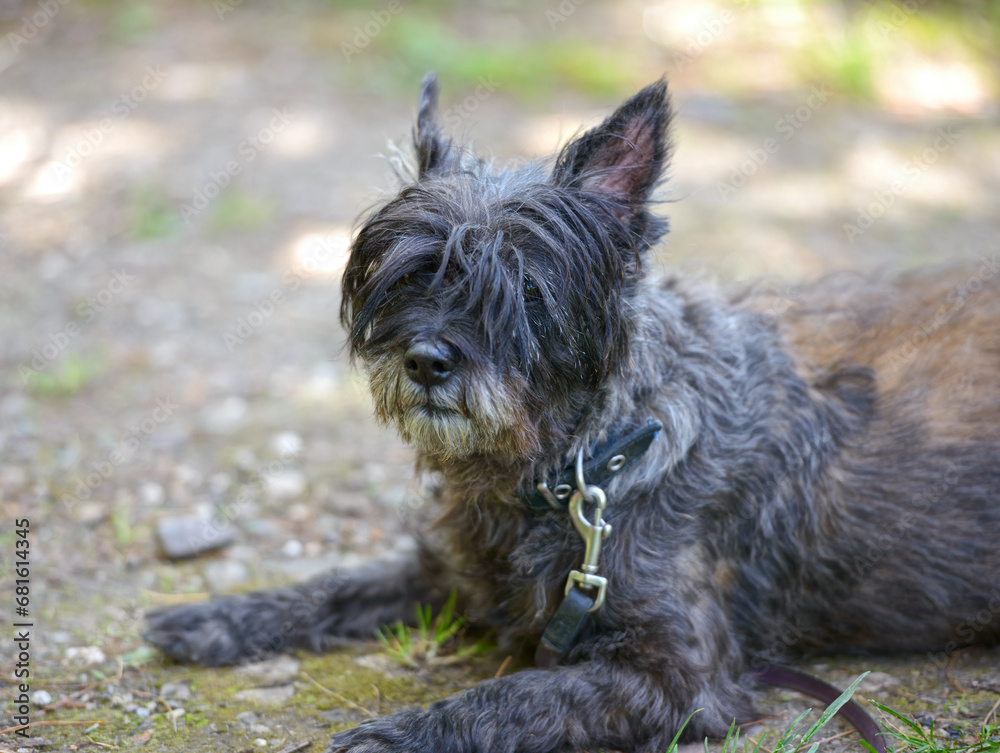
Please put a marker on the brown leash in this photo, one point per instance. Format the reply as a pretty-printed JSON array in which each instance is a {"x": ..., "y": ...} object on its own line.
[{"x": 793, "y": 679}]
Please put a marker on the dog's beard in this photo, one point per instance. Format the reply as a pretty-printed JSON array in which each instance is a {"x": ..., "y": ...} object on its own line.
[{"x": 466, "y": 416}]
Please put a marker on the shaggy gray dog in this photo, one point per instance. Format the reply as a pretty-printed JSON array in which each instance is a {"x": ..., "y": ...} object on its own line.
[{"x": 813, "y": 472}]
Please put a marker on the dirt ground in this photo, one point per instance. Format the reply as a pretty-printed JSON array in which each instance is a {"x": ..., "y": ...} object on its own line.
[{"x": 178, "y": 184}]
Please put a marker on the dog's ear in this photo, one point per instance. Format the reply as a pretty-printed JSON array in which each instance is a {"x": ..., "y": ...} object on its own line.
[
  {"x": 429, "y": 139},
  {"x": 624, "y": 157}
]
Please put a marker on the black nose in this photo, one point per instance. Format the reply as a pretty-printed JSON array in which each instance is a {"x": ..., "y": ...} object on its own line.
[{"x": 430, "y": 363}]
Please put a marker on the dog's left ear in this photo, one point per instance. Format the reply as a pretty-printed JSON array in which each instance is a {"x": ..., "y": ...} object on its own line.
[
  {"x": 432, "y": 145},
  {"x": 624, "y": 156}
]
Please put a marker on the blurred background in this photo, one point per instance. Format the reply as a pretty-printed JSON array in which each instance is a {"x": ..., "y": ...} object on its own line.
[{"x": 179, "y": 181}]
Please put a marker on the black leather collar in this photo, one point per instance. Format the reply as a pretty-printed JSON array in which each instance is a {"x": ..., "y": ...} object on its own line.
[{"x": 607, "y": 460}]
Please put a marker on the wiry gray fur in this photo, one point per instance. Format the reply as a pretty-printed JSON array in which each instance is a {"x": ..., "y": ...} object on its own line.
[{"x": 817, "y": 485}]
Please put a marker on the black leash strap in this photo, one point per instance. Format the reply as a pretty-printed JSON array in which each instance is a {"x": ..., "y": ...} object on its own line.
[{"x": 564, "y": 628}]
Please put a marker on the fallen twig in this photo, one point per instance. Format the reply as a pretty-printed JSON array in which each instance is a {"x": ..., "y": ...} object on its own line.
[
  {"x": 341, "y": 698},
  {"x": 947, "y": 673},
  {"x": 39, "y": 724},
  {"x": 992, "y": 712},
  {"x": 834, "y": 737},
  {"x": 503, "y": 666}
]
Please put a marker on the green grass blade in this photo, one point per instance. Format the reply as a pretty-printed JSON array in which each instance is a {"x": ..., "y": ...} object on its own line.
[
  {"x": 445, "y": 618},
  {"x": 673, "y": 743},
  {"x": 832, "y": 709},
  {"x": 911, "y": 724},
  {"x": 790, "y": 731}
]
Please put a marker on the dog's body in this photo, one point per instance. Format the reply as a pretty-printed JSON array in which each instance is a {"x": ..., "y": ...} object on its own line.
[{"x": 827, "y": 476}]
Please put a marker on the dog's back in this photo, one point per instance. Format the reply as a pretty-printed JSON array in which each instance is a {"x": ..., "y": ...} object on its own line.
[{"x": 914, "y": 492}]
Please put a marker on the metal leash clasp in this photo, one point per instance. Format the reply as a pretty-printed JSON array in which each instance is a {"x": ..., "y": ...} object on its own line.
[{"x": 593, "y": 533}]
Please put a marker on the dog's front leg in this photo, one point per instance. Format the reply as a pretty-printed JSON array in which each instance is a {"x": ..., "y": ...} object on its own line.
[
  {"x": 334, "y": 607},
  {"x": 587, "y": 706}
]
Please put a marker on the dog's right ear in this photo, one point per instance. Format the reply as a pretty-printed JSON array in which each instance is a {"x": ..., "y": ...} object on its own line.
[
  {"x": 429, "y": 139},
  {"x": 625, "y": 156}
]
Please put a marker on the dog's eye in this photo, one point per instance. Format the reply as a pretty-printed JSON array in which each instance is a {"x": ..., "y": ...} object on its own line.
[{"x": 530, "y": 290}]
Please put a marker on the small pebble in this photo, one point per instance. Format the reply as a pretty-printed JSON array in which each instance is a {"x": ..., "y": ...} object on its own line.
[
  {"x": 877, "y": 682},
  {"x": 182, "y": 537},
  {"x": 142, "y": 713},
  {"x": 285, "y": 484},
  {"x": 224, "y": 417},
  {"x": 260, "y": 742},
  {"x": 280, "y": 670},
  {"x": 267, "y": 696},
  {"x": 224, "y": 575},
  {"x": 292, "y": 548},
  {"x": 91, "y": 513},
  {"x": 176, "y": 690},
  {"x": 286, "y": 443},
  {"x": 151, "y": 493},
  {"x": 41, "y": 698},
  {"x": 87, "y": 656}
]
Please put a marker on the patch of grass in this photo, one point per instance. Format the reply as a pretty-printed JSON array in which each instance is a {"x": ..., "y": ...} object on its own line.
[
  {"x": 847, "y": 63},
  {"x": 132, "y": 21},
  {"x": 140, "y": 656},
  {"x": 152, "y": 215},
  {"x": 909, "y": 736},
  {"x": 850, "y": 60},
  {"x": 792, "y": 740},
  {"x": 913, "y": 737},
  {"x": 235, "y": 211},
  {"x": 529, "y": 68},
  {"x": 122, "y": 527},
  {"x": 433, "y": 639},
  {"x": 67, "y": 376}
]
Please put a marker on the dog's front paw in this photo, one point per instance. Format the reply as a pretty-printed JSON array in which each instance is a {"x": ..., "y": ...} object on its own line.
[
  {"x": 223, "y": 631},
  {"x": 405, "y": 732}
]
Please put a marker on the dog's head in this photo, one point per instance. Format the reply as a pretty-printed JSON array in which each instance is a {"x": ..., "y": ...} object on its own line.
[{"x": 489, "y": 307}]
